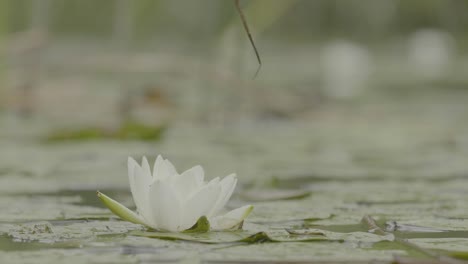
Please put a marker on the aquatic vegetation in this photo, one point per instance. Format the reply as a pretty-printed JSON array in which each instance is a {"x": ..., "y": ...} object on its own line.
[{"x": 127, "y": 131}]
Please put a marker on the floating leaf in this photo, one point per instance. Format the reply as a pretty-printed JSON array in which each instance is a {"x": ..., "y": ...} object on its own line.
[
  {"x": 260, "y": 237},
  {"x": 305, "y": 232},
  {"x": 274, "y": 194},
  {"x": 127, "y": 131},
  {"x": 393, "y": 226},
  {"x": 204, "y": 238},
  {"x": 314, "y": 219},
  {"x": 459, "y": 254},
  {"x": 227, "y": 237},
  {"x": 410, "y": 248}
]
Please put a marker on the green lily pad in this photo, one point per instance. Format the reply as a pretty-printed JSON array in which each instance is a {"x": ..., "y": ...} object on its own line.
[
  {"x": 257, "y": 195},
  {"x": 227, "y": 237},
  {"x": 409, "y": 249},
  {"x": 458, "y": 254},
  {"x": 127, "y": 131}
]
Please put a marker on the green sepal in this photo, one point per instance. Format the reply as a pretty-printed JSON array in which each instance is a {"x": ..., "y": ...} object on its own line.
[
  {"x": 119, "y": 210},
  {"x": 201, "y": 226}
]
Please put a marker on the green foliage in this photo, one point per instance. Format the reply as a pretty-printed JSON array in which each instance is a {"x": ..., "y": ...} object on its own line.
[
  {"x": 308, "y": 18},
  {"x": 80, "y": 17},
  {"x": 3, "y": 33},
  {"x": 145, "y": 17},
  {"x": 459, "y": 254},
  {"x": 132, "y": 130},
  {"x": 127, "y": 131}
]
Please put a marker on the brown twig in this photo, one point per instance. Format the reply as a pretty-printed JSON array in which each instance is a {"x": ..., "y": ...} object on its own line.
[{"x": 247, "y": 30}]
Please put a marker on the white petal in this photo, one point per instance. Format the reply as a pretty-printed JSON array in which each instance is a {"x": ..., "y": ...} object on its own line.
[
  {"x": 228, "y": 184},
  {"x": 145, "y": 166},
  {"x": 157, "y": 166},
  {"x": 199, "y": 204},
  {"x": 140, "y": 190},
  {"x": 200, "y": 174},
  {"x": 214, "y": 181},
  {"x": 189, "y": 182},
  {"x": 131, "y": 163},
  {"x": 230, "y": 220},
  {"x": 163, "y": 169},
  {"x": 170, "y": 168},
  {"x": 165, "y": 207}
]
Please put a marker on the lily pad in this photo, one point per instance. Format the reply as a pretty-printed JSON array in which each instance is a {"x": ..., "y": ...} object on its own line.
[
  {"x": 257, "y": 195},
  {"x": 458, "y": 254},
  {"x": 127, "y": 131},
  {"x": 227, "y": 237}
]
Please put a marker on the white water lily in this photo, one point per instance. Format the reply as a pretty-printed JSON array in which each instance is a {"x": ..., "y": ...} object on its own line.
[{"x": 169, "y": 201}]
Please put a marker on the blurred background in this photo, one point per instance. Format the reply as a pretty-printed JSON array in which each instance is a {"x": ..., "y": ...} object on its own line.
[{"x": 346, "y": 86}]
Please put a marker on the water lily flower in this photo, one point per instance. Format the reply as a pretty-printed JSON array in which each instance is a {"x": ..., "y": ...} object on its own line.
[{"x": 168, "y": 201}]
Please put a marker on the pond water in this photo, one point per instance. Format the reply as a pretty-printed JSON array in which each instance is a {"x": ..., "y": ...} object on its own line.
[{"x": 379, "y": 179}]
